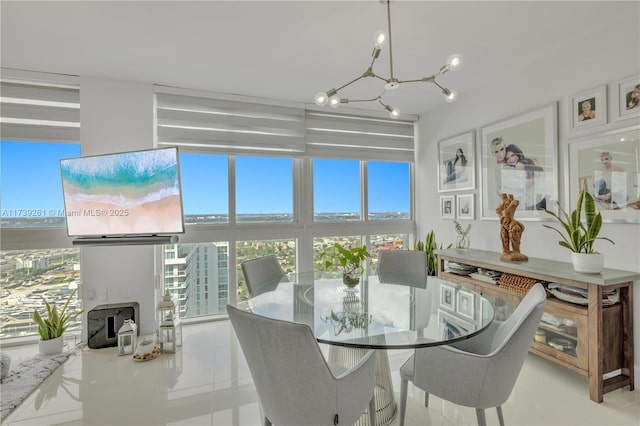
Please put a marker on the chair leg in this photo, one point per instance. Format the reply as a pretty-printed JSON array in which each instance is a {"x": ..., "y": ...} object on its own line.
[
  {"x": 482, "y": 420},
  {"x": 500, "y": 418},
  {"x": 372, "y": 410},
  {"x": 267, "y": 422},
  {"x": 426, "y": 399},
  {"x": 403, "y": 399}
]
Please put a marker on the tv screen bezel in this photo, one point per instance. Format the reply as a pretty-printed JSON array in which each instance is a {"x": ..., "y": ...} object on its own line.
[{"x": 121, "y": 235}]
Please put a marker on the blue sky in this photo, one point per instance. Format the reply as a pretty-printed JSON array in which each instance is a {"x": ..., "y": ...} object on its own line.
[{"x": 30, "y": 179}]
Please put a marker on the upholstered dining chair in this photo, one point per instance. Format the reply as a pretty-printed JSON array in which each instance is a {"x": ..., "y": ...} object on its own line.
[
  {"x": 479, "y": 372},
  {"x": 260, "y": 271},
  {"x": 295, "y": 384},
  {"x": 402, "y": 267}
]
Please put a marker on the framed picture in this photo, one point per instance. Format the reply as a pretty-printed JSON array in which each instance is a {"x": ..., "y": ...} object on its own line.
[
  {"x": 607, "y": 166},
  {"x": 464, "y": 204},
  {"x": 447, "y": 207},
  {"x": 448, "y": 297},
  {"x": 466, "y": 304},
  {"x": 456, "y": 163},
  {"x": 519, "y": 156},
  {"x": 628, "y": 94},
  {"x": 588, "y": 109},
  {"x": 451, "y": 326}
]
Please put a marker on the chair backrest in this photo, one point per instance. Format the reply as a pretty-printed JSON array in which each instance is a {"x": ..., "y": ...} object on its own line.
[
  {"x": 261, "y": 271},
  {"x": 403, "y": 267},
  {"x": 488, "y": 376},
  {"x": 291, "y": 376}
]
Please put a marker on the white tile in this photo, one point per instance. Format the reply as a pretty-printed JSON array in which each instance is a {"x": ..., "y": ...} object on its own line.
[{"x": 208, "y": 383}]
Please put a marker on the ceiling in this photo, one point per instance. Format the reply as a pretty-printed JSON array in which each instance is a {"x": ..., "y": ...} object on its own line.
[{"x": 290, "y": 50}]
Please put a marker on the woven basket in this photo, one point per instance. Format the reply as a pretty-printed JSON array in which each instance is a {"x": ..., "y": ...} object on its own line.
[{"x": 516, "y": 283}]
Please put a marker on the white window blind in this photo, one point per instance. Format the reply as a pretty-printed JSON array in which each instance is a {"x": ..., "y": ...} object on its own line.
[
  {"x": 228, "y": 124},
  {"x": 330, "y": 135},
  {"x": 39, "y": 107}
]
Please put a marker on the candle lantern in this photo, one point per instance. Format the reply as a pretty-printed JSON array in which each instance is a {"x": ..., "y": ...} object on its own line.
[
  {"x": 127, "y": 337},
  {"x": 169, "y": 325}
]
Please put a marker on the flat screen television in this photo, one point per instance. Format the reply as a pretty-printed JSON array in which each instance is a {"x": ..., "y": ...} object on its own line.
[{"x": 127, "y": 194}]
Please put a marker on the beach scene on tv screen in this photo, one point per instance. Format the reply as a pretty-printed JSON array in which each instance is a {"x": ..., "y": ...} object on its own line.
[{"x": 133, "y": 193}]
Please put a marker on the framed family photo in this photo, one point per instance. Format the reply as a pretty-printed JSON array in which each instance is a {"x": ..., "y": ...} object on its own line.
[
  {"x": 519, "y": 156},
  {"x": 607, "y": 166},
  {"x": 588, "y": 109},
  {"x": 456, "y": 163},
  {"x": 447, "y": 207},
  {"x": 628, "y": 94},
  {"x": 464, "y": 204}
]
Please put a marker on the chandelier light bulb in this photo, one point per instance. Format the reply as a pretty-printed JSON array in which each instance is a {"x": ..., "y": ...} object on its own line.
[
  {"x": 393, "y": 112},
  {"x": 454, "y": 62},
  {"x": 380, "y": 38},
  {"x": 334, "y": 102},
  {"x": 321, "y": 98},
  {"x": 450, "y": 95}
]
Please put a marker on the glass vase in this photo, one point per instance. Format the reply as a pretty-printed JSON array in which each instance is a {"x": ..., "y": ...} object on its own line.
[{"x": 463, "y": 242}]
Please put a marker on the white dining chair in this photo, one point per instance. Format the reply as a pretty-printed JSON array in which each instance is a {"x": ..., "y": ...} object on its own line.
[
  {"x": 260, "y": 271},
  {"x": 295, "y": 385},
  {"x": 407, "y": 267},
  {"x": 479, "y": 372}
]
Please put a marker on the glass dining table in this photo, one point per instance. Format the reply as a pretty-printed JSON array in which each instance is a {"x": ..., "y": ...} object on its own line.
[{"x": 394, "y": 311}]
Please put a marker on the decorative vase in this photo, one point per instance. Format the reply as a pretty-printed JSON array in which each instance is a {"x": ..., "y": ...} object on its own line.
[
  {"x": 351, "y": 279},
  {"x": 51, "y": 346},
  {"x": 463, "y": 242},
  {"x": 590, "y": 263}
]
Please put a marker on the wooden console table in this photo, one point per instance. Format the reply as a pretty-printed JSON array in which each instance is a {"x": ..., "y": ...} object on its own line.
[{"x": 603, "y": 340}]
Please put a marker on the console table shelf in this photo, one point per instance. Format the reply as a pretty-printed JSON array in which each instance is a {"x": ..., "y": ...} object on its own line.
[{"x": 600, "y": 341}]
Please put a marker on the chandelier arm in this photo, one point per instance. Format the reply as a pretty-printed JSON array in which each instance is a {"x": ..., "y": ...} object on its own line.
[
  {"x": 425, "y": 80},
  {"x": 351, "y": 82},
  {"x": 436, "y": 83},
  {"x": 364, "y": 100},
  {"x": 390, "y": 40},
  {"x": 381, "y": 78}
]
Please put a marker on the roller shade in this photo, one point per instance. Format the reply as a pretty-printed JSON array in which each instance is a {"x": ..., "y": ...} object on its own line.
[
  {"x": 37, "y": 109},
  {"x": 330, "y": 135},
  {"x": 228, "y": 124}
]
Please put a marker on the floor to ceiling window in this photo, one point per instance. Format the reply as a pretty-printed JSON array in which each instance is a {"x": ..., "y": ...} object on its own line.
[
  {"x": 31, "y": 202},
  {"x": 40, "y": 126},
  {"x": 262, "y": 179}
]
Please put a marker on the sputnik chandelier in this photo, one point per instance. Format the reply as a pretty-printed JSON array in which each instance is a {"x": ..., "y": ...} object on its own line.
[{"x": 334, "y": 100}]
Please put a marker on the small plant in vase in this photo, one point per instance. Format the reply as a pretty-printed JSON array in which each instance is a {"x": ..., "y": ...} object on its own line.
[
  {"x": 53, "y": 326},
  {"x": 579, "y": 236},
  {"x": 463, "y": 235},
  {"x": 351, "y": 260}
]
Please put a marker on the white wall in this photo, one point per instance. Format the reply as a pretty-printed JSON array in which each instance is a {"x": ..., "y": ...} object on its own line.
[
  {"x": 117, "y": 116},
  {"x": 611, "y": 53}
]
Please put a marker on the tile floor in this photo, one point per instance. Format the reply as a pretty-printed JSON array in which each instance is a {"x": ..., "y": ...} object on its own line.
[{"x": 207, "y": 383}]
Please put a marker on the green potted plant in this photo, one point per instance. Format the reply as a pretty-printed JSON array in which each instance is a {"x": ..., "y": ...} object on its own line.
[
  {"x": 580, "y": 235},
  {"x": 429, "y": 246},
  {"x": 351, "y": 260},
  {"x": 53, "y": 326}
]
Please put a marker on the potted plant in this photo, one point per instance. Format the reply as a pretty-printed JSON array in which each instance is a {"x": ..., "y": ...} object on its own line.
[
  {"x": 429, "y": 247},
  {"x": 579, "y": 236},
  {"x": 352, "y": 262},
  {"x": 53, "y": 326}
]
